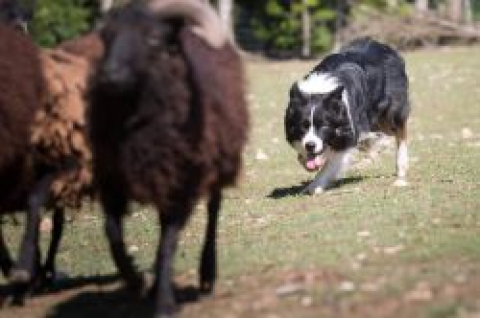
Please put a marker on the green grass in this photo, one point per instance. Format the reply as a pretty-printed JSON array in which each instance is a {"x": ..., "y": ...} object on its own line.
[{"x": 384, "y": 240}]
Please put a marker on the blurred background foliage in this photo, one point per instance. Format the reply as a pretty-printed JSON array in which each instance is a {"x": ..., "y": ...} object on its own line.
[
  {"x": 279, "y": 28},
  {"x": 58, "y": 20},
  {"x": 278, "y": 25}
]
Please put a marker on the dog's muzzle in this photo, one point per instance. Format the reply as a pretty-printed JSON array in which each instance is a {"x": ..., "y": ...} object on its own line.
[{"x": 313, "y": 162}]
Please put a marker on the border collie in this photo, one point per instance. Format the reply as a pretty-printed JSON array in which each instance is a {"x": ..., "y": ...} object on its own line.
[{"x": 361, "y": 89}]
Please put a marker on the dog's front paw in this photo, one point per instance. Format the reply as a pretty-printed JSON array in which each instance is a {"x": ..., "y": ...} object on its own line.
[{"x": 312, "y": 189}]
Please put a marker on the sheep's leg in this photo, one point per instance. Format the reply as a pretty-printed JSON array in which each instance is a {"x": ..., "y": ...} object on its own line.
[
  {"x": 115, "y": 208},
  {"x": 48, "y": 272},
  {"x": 208, "y": 265},
  {"x": 171, "y": 226},
  {"x": 29, "y": 261},
  {"x": 6, "y": 262},
  {"x": 29, "y": 250}
]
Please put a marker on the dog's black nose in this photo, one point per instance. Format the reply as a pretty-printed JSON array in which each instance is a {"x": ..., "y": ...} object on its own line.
[{"x": 310, "y": 146}]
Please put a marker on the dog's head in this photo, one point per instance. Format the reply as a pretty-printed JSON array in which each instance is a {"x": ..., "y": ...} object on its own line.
[{"x": 318, "y": 119}]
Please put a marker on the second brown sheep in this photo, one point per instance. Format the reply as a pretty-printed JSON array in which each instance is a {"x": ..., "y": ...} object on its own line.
[{"x": 59, "y": 149}]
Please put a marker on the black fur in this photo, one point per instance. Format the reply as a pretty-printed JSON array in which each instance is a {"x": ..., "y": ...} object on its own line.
[
  {"x": 168, "y": 123},
  {"x": 363, "y": 88},
  {"x": 375, "y": 80}
]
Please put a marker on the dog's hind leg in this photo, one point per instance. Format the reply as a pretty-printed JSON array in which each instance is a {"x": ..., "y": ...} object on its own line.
[{"x": 402, "y": 156}]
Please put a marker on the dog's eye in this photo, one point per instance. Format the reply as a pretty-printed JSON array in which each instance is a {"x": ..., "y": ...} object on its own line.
[
  {"x": 325, "y": 129},
  {"x": 306, "y": 125}
]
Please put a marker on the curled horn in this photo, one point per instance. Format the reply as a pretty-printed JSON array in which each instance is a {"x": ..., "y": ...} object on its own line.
[{"x": 204, "y": 21}]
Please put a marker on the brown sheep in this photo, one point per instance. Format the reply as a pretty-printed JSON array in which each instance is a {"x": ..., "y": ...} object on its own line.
[
  {"x": 22, "y": 90},
  {"x": 58, "y": 152},
  {"x": 59, "y": 132},
  {"x": 168, "y": 124}
]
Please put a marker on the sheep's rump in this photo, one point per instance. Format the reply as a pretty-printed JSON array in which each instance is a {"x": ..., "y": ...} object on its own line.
[
  {"x": 219, "y": 78},
  {"x": 59, "y": 131},
  {"x": 21, "y": 95}
]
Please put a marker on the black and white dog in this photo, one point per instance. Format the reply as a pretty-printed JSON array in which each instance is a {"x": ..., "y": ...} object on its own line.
[{"x": 363, "y": 88}]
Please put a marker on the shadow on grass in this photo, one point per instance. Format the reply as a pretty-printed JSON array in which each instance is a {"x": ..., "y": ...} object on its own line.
[
  {"x": 7, "y": 291},
  {"x": 294, "y": 190},
  {"x": 280, "y": 193},
  {"x": 115, "y": 303},
  {"x": 99, "y": 297},
  {"x": 102, "y": 304},
  {"x": 349, "y": 180}
]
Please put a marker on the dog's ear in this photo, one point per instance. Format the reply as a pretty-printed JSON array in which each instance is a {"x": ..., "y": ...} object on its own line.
[
  {"x": 296, "y": 94},
  {"x": 336, "y": 94}
]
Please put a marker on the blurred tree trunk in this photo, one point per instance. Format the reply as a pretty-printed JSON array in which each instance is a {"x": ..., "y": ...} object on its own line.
[
  {"x": 455, "y": 10},
  {"x": 393, "y": 4},
  {"x": 306, "y": 30},
  {"x": 342, "y": 9},
  {"x": 460, "y": 11},
  {"x": 105, "y": 5},
  {"x": 468, "y": 11},
  {"x": 421, "y": 6}
]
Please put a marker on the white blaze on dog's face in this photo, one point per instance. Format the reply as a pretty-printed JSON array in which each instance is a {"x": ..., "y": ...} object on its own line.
[
  {"x": 302, "y": 127},
  {"x": 310, "y": 146}
]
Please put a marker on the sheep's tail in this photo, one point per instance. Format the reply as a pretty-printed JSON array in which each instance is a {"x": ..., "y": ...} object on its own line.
[{"x": 205, "y": 22}]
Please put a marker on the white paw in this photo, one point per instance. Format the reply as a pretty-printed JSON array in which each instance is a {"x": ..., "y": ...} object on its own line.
[
  {"x": 400, "y": 183},
  {"x": 313, "y": 189}
]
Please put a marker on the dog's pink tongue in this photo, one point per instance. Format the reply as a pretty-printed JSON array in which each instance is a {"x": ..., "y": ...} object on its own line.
[
  {"x": 311, "y": 164},
  {"x": 315, "y": 163}
]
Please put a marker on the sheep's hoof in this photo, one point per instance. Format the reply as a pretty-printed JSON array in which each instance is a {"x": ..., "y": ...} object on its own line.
[
  {"x": 400, "y": 183},
  {"x": 167, "y": 311},
  {"x": 164, "y": 315},
  {"x": 20, "y": 276},
  {"x": 47, "y": 278},
  {"x": 18, "y": 300},
  {"x": 140, "y": 285},
  {"x": 206, "y": 288}
]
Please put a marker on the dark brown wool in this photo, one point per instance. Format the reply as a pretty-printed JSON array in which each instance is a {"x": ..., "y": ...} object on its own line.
[
  {"x": 186, "y": 133},
  {"x": 22, "y": 89},
  {"x": 46, "y": 161},
  {"x": 59, "y": 132},
  {"x": 174, "y": 136},
  {"x": 21, "y": 94}
]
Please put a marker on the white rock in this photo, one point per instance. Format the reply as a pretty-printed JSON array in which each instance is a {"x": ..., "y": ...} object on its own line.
[
  {"x": 261, "y": 155},
  {"x": 346, "y": 286},
  {"x": 467, "y": 133}
]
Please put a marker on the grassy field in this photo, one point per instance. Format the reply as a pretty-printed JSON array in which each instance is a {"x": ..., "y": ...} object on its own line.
[{"x": 363, "y": 249}]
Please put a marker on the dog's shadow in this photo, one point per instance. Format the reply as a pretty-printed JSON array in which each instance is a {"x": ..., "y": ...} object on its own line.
[{"x": 295, "y": 190}]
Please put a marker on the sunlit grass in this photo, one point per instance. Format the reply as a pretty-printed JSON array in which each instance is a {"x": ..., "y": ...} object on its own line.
[{"x": 366, "y": 230}]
